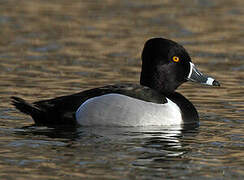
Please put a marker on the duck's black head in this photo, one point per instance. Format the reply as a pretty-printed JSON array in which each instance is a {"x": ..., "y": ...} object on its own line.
[{"x": 166, "y": 65}]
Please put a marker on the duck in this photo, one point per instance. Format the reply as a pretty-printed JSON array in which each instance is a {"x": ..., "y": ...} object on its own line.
[{"x": 153, "y": 102}]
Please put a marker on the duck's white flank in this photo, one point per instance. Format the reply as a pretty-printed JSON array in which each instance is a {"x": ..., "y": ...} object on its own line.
[{"x": 120, "y": 110}]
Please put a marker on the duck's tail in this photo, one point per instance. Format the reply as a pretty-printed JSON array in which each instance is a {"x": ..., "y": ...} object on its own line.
[{"x": 27, "y": 108}]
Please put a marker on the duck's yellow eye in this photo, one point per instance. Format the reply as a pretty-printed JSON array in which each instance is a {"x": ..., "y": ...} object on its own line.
[{"x": 176, "y": 59}]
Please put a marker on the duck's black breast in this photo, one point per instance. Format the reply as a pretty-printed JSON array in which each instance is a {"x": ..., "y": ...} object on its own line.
[{"x": 188, "y": 111}]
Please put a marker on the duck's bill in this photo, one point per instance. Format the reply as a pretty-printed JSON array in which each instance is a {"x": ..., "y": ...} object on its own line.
[{"x": 196, "y": 76}]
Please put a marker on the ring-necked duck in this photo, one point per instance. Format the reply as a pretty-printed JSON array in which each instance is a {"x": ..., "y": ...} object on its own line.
[{"x": 165, "y": 66}]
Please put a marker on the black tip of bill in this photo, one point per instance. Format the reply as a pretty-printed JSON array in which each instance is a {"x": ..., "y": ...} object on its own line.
[{"x": 216, "y": 83}]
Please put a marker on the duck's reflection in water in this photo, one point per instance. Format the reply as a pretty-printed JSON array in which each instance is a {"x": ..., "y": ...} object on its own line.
[{"x": 144, "y": 144}]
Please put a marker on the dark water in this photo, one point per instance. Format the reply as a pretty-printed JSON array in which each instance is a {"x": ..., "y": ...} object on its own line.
[{"x": 53, "y": 48}]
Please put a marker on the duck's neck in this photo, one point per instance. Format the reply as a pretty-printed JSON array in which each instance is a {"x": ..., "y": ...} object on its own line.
[
  {"x": 154, "y": 83},
  {"x": 159, "y": 90}
]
